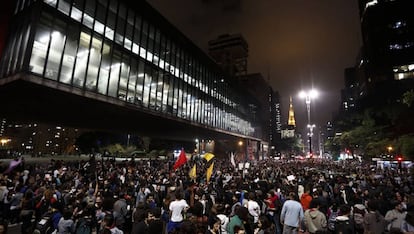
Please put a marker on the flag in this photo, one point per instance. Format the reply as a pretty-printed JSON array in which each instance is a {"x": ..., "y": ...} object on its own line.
[
  {"x": 193, "y": 172},
  {"x": 13, "y": 164},
  {"x": 210, "y": 171},
  {"x": 182, "y": 159},
  {"x": 208, "y": 156},
  {"x": 232, "y": 161}
]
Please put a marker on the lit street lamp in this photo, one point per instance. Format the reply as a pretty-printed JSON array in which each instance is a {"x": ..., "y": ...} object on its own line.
[
  {"x": 308, "y": 96},
  {"x": 389, "y": 148}
]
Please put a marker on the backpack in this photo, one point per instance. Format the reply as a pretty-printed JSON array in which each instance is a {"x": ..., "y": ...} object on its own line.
[
  {"x": 278, "y": 204},
  {"x": 344, "y": 226},
  {"x": 45, "y": 225},
  {"x": 331, "y": 220},
  {"x": 359, "y": 212},
  {"x": 84, "y": 226}
]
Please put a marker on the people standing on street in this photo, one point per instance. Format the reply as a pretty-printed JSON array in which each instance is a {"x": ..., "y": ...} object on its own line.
[
  {"x": 292, "y": 215},
  {"x": 315, "y": 220}
]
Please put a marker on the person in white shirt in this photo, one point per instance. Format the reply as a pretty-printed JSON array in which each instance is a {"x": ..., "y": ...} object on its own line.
[
  {"x": 253, "y": 207},
  {"x": 177, "y": 208}
]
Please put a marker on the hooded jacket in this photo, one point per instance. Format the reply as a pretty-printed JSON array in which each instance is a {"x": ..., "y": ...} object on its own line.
[{"x": 315, "y": 220}]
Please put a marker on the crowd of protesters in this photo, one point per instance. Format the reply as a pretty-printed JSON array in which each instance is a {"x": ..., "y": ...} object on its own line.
[{"x": 270, "y": 196}]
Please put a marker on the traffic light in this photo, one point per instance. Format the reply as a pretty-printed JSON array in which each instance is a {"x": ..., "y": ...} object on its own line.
[{"x": 399, "y": 159}]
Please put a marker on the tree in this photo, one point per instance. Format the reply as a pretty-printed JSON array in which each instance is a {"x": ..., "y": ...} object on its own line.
[
  {"x": 406, "y": 146},
  {"x": 408, "y": 98}
]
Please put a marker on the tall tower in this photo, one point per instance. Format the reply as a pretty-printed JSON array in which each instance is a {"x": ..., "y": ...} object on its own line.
[{"x": 291, "y": 120}]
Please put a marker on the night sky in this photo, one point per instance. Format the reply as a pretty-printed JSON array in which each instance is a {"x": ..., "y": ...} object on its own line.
[{"x": 296, "y": 44}]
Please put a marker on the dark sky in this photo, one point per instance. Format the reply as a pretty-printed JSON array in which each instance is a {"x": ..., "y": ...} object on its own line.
[{"x": 299, "y": 44}]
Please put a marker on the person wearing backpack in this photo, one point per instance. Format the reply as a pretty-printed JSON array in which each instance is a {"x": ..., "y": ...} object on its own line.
[
  {"x": 224, "y": 220},
  {"x": 395, "y": 216},
  {"x": 66, "y": 224},
  {"x": 49, "y": 222},
  {"x": 85, "y": 222},
  {"x": 374, "y": 222},
  {"x": 359, "y": 212},
  {"x": 344, "y": 224},
  {"x": 274, "y": 206},
  {"x": 315, "y": 220}
]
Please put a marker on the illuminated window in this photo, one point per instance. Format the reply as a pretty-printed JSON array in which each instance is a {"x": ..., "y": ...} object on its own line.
[
  {"x": 396, "y": 47},
  {"x": 371, "y": 3}
]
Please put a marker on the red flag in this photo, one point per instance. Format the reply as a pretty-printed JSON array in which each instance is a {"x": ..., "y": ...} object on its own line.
[{"x": 182, "y": 159}]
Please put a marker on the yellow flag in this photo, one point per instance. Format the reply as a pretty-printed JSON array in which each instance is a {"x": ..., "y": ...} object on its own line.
[
  {"x": 208, "y": 156},
  {"x": 210, "y": 171},
  {"x": 193, "y": 172}
]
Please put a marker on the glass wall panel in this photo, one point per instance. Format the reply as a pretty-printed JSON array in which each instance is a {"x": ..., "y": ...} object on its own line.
[
  {"x": 104, "y": 71},
  {"x": 64, "y": 6},
  {"x": 150, "y": 43},
  {"x": 51, "y": 2},
  {"x": 72, "y": 36},
  {"x": 165, "y": 90},
  {"x": 55, "y": 53},
  {"x": 147, "y": 86},
  {"x": 172, "y": 58},
  {"x": 81, "y": 60},
  {"x": 162, "y": 51},
  {"x": 156, "y": 50},
  {"x": 89, "y": 14},
  {"x": 153, "y": 89},
  {"x": 144, "y": 40},
  {"x": 15, "y": 51},
  {"x": 39, "y": 50},
  {"x": 22, "y": 54},
  {"x": 94, "y": 61},
  {"x": 159, "y": 94},
  {"x": 120, "y": 25},
  {"x": 114, "y": 74},
  {"x": 170, "y": 99},
  {"x": 99, "y": 26},
  {"x": 77, "y": 9},
  {"x": 132, "y": 81},
  {"x": 167, "y": 54},
  {"x": 18, "y": 6},
  {"x": 186, "y": 99},
  {"x": 137, "y": 35},
  {"x": 123, "y": 81},
  {"x": 175, "y": 96},
  {"x": 140, "y": 82},
  {"x": 110, "y": 21}
]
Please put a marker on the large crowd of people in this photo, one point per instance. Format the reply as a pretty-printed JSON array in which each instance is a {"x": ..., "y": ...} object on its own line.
[{"x": 270, "y": 196}]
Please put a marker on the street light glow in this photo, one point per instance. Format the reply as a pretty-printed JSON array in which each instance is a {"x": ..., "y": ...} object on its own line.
[
  {"x": 308, "y": 96},
  {"x": 311, "y": 94},
  {"x": 302, "y": 94}
]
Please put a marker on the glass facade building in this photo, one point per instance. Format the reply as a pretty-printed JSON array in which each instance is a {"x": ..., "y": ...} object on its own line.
[{"x": 126, "y": 51}]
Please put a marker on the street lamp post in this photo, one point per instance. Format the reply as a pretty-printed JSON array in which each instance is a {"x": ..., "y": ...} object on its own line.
[
  {"x": 310, "y": 134},
  {"x": 308, "y": 96}
]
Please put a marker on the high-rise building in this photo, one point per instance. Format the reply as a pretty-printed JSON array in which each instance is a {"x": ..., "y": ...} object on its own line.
[
  {"x": 266, "y": 119},
  {"x": 82, "y": 59},
  {"x": 2, "y": 126},
  {"x": 388, "y": 39},
  {"x": 349, "y": 94},
  {"x": 230, "y": 52}
]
